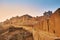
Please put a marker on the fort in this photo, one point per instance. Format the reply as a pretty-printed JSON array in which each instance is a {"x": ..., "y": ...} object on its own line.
[{"x": 44, "y": 27}]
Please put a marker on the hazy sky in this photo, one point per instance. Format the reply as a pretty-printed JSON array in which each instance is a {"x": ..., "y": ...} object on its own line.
[{"x": 10, "y": 8}]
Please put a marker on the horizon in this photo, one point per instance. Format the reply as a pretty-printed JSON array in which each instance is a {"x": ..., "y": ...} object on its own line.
[{"x": 12, "y": 8}]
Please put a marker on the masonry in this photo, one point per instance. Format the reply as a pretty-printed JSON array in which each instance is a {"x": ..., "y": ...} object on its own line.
[{"x": 44, "y": 27}]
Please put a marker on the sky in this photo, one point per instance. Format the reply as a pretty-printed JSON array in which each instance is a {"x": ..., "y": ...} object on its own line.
[{"x": 12, "y": 8}]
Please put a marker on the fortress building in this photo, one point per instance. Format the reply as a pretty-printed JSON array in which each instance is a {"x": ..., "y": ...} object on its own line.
[{"x": 46, "y": 27}]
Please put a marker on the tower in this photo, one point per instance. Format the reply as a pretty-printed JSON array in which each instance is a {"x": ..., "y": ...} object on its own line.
[{"x": 47, "y": 13}]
